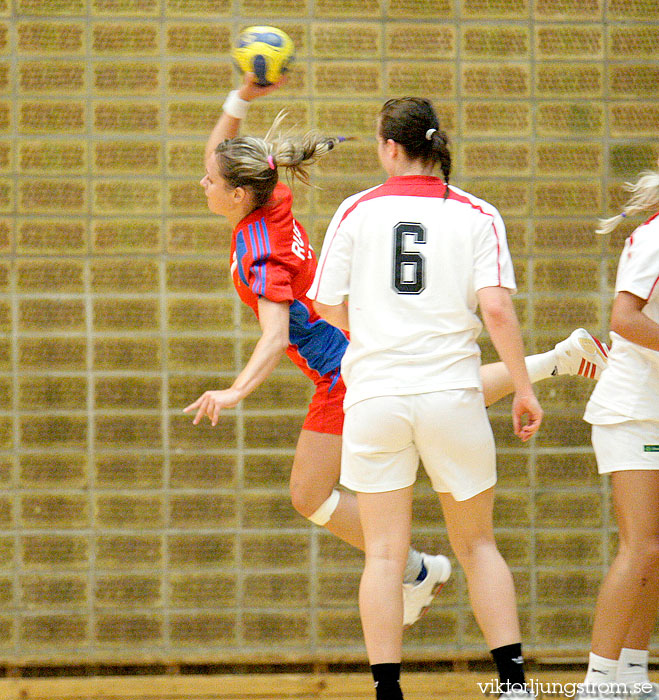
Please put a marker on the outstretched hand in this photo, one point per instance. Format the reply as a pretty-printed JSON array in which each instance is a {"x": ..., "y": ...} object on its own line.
[
  {"x": 250, "y": 89},
  {"x": 211, "y": 403},
  {"x": 527, "y": 416}
]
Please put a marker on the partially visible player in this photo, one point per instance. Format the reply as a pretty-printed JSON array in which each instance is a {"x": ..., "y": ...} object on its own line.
[
  {"x": 624, "y": 413},
  {"x": 416, "y": 258}
]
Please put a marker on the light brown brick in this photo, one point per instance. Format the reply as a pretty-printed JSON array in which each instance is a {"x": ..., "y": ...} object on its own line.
[
  {"x": 199, "y": 78},
  {"x": 41, "y": 117},
  {"x": 47, "y": 393},
  {"x": 117, "y": 8},
  {"x": 268, "y": 510},
  {"x": 47, "y": 157},
  {"x": 65, "y": 511},
  {"x": 484, "y": 42},
  {"x": 199, "y": 315},
  {"x": 59, "y": 630},
  {"x": 269, "y": 8},
  {"x": 338, "y": 627},
  {"x": 571, "y": 80},
  {"x": 203, "y": 629},
  {"x": 195, "y": 551},
  {"x": 569, "y": 159},
  {"x": 565, "y": 118},
  {"x": 485, "y": 9},
  {"x": 59, "y": 471},
  {"x": 129, "y": 470},
  {"x": 558, "y": 275},
  {"x": 46, "y": 236},
  {"x": 186, "y": 198},
  {"x": 128, "y": 551},
  {"x": 633, "y": 81},
  {"x": 496, "y": 118},
  {"x": 198, "y": 7},
  {"x": 130, "y": 39},
  {"x": 46, "y": 314},
  {"x": 198, "y": 38},
  {"x": 207, "y": 590},
  {"x": 65, "y": 276},
  {"x": 121, "y": 630},
  {"x": 53, "y": 551},
  {"x": 408, "y": 9},
  {"x": 286, "y": 629},
  {"x": 52, "y": 8},
  {"x": 199, "y": 236},
  {"x": 567, "y": 197},
  {"x": 129, "y": 157},
  {"x": 51, "y": 77},
  {"x": 203, "y": 510},
  {"x": 202, "y": 471},
  {"x": 125, "y": 235},
  {"x": 485, "y": 80},
  {"x": 129, "y": 511},
  {"x": 569, "y": 41},
  {"x": 53, "y": 431},
  {"x": 495, "y": 158},
  {"x": 52, "y": 353},
  {"x": 127, "y": 353},
  {"x": 126, "y": 117},
  {"x": 38, "y": 592},
  {"x": 50, "y": 37},
  {"x": 278, "y": 590},
  {"x": 335, "y": 79},
  {"x": 126, "y": 314},
  {"x": 633, "y": 41},
  {"x": 184, "y": 436},
  {"x": 49, "y": 196},
  {"x": 128, "y": 590},
  {"x": 630, "y": 9},
  {"x": 138, "y": 431}
]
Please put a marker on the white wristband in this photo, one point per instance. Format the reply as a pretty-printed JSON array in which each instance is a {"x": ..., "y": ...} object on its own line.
[{"x": 235, "y": 106}]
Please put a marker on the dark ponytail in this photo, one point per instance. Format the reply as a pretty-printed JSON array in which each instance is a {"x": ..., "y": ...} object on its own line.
[{"x": 413, "y": 123}]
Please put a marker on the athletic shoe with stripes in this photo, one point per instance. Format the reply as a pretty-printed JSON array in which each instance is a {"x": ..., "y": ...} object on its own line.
[
  {"x": 581, "y": 353},
  {"x": 418, "y": 596}
]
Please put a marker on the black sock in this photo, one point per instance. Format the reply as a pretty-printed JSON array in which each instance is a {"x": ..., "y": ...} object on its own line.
[
  {"x": 386, "y": 678},
  {"x": 510, "y": 665}
]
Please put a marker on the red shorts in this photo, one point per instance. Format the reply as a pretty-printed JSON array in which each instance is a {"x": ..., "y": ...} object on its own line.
[{"x": 325, "y": 414}]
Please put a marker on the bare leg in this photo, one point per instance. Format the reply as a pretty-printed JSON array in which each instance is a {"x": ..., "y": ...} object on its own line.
[
  {"x": 490, "y": 583},
  {"x": 630, "y": 584},
  {"x": 387, "y": 519},
  {"x": 496, "y": 382},
  {"x": 315, "y": 472}
]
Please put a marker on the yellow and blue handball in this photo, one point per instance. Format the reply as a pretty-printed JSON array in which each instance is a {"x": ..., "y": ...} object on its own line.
[{"x": 265, "y": 51}]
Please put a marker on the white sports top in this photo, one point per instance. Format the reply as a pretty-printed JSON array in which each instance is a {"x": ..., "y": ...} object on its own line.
[
  {"x": 629, "y": 386},
  {"x": 411, "y": 263}
]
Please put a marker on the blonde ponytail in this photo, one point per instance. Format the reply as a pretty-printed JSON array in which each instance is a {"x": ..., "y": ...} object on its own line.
[
  {"x": 645, "y": 195},
  {"x": 248, "y": 161}
]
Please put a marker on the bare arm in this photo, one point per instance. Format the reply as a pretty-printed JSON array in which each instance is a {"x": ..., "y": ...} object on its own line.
[
  {"x": 501, "y": 322},
  {"x": 274, "y": 319},
  {"x": 227, "y": 127},
  {"x": 629, "y": 321},
  {"x": 337, "y": 314}
]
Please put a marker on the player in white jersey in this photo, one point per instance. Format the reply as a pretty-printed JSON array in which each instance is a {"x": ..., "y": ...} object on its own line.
[
  {"x": 624, "y": 412},
  {"x": 416, "y": 258}
]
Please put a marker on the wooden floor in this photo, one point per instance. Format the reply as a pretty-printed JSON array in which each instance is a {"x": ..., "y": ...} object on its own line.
[{"x": 313, "y": 686}]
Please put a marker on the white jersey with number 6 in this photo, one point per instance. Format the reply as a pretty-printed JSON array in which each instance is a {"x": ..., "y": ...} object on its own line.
[{"x": 411, "y": 262}]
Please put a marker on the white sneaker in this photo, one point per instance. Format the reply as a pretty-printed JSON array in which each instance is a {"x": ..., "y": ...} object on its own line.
[
  {"x": 417, "y": 597},
  {"x": 581, "y": 353}
]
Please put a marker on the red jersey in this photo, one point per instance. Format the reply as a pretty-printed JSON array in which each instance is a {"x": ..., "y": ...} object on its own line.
[{"x": 271, "y": 257}]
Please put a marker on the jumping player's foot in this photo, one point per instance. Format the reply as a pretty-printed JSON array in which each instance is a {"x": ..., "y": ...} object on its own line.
[
  {"x": 581, "y": 353},
  {"x": 418, "y": 596}
]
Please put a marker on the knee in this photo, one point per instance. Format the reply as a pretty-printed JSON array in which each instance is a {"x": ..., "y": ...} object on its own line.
[
  {"x": 308, "y": 500},
  {"x": 471, "y": 551},
  {"x": 644, "y": 557}
]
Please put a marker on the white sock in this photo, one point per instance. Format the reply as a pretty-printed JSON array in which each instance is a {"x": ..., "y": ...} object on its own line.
[
  {"x": 413, "y": 566},
  {"x": 633, "y": 666},
  {"x": 601, "y": 671},
  {"x": 541, "y": 366}
]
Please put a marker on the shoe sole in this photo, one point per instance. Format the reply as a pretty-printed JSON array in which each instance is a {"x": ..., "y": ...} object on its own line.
[
  {"x": 591, "y": 346},
  {"x": 433, "y": 594}
]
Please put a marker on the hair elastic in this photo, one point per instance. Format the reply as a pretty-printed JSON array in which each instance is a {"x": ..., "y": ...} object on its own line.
[
  {"x": 624, "y": 214},
  {"x": 271, "y": 163},
  {"x": 429, "y": 133}
]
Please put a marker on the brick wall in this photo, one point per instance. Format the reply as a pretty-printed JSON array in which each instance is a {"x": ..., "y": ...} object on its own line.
[{"x": 128, "y": 534}]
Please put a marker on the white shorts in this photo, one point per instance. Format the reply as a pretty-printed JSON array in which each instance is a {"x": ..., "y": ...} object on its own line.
[
  {"x": 633, "y": 444},
  {"x": 384, "y": 437}
]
